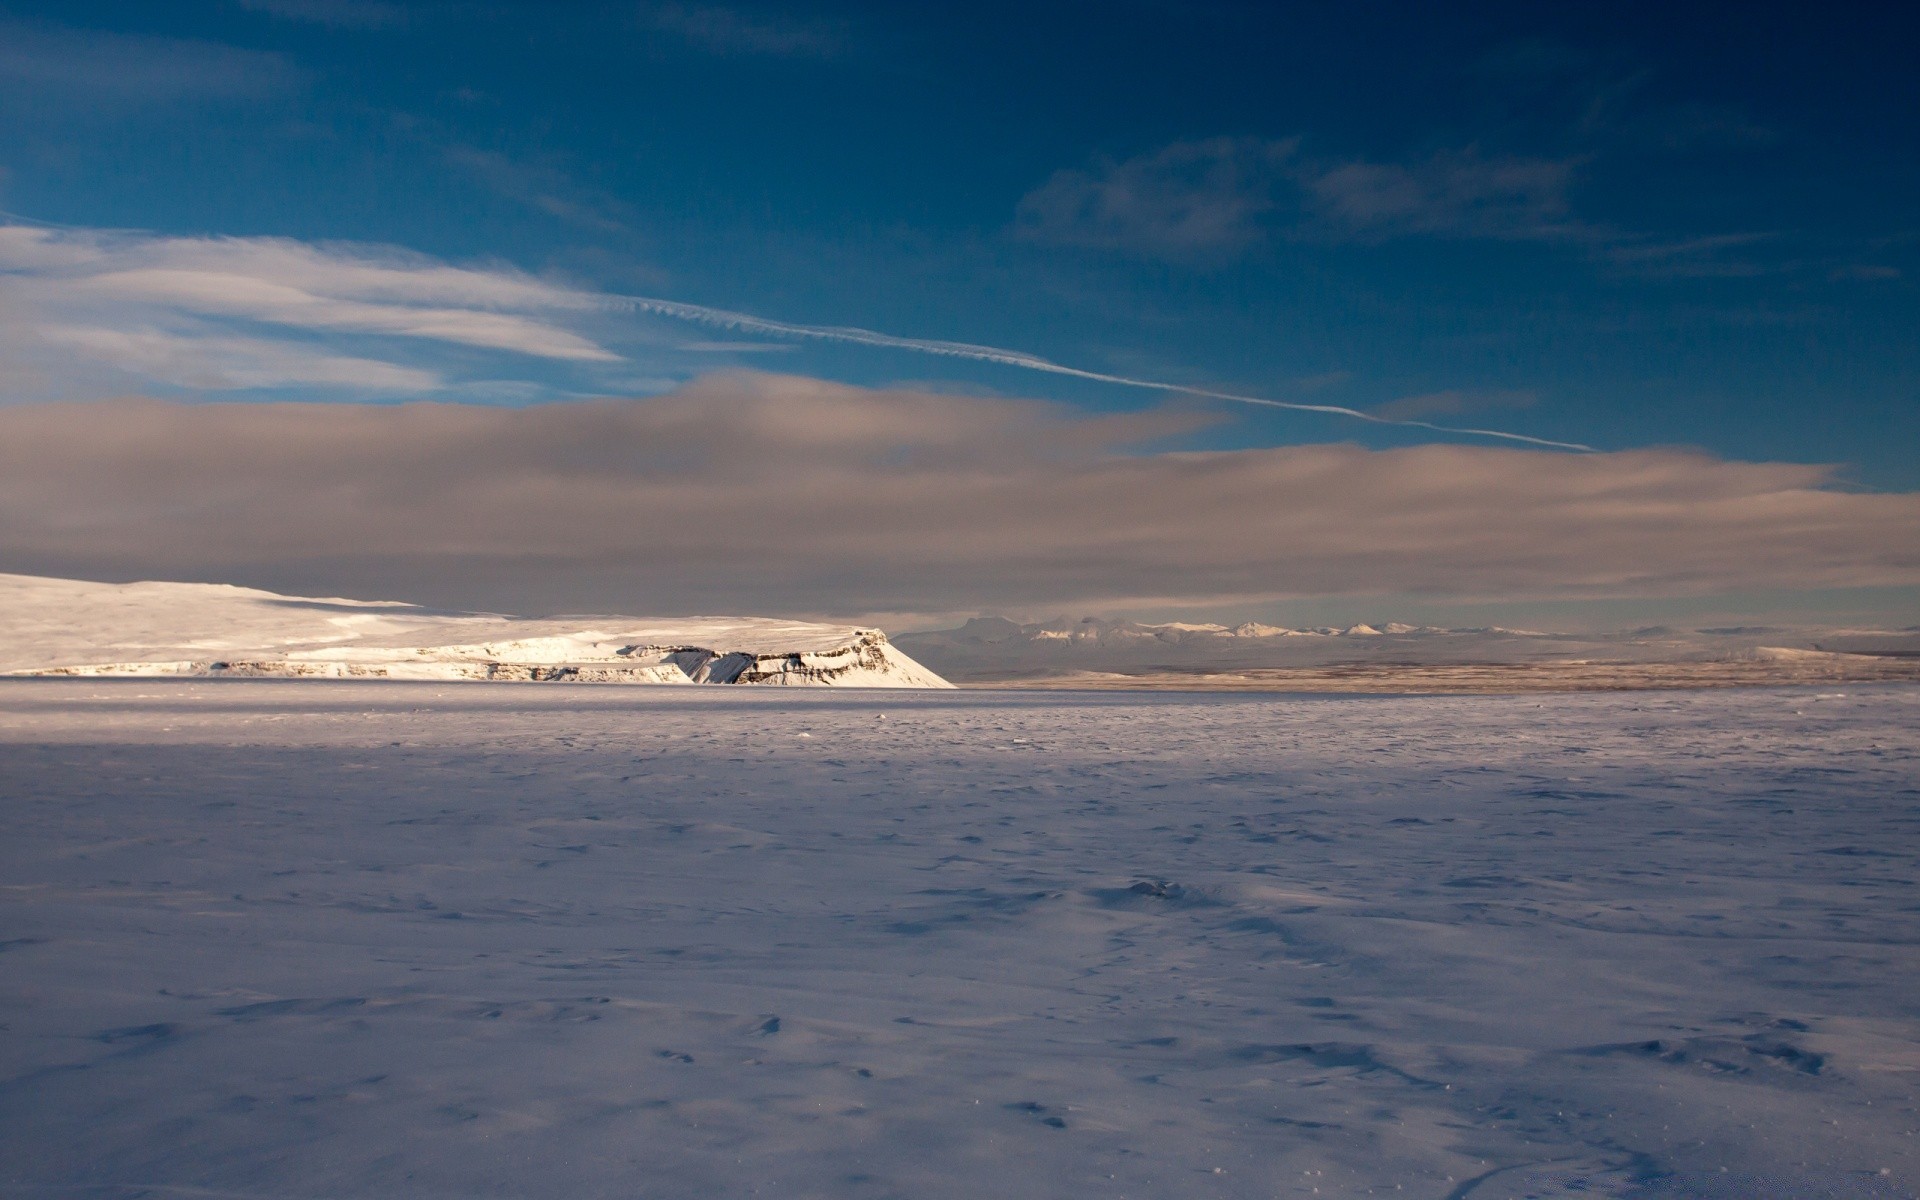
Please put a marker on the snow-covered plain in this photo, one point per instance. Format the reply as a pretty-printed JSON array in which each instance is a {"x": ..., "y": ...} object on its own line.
[{"x": 324, "y": 939}]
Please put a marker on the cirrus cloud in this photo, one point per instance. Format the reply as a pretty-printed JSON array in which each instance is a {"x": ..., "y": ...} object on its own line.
[
  {"x": 1209, "y": 199},
  {"x": 100, "y": 69},
  {"x": 1455, "y": 194},
  {"x": 1198, "y": 199},
  {"x": 237, "y": 312}
]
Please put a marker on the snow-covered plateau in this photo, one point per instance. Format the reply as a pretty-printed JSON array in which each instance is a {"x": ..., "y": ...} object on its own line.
[
  {"x": 262, "y": 938},
  {"x": 74, "y": 627}
]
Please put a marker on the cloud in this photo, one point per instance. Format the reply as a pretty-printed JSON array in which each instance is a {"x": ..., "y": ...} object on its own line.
[
  {"x": 778, "y": 494},
  {"x": 231, "y": 363},
  {"x": 1189, "y": 199},
  {"x": 545, "y": 189},
  {"x": 1206, "y": 201},
  {"x": 339, "y": 14},
  {"x": 237, "y": 313},
  {"x": 1452, "y": 403},
  {"x": 120, "y": 68},
  {"x": 1454, "y": 194},
  {"x": 724, "y": 30},
  {"x": 1695, "y": 258},
  {"x": 255, "y": 312},
  {"x": 1864, "y": 272}
]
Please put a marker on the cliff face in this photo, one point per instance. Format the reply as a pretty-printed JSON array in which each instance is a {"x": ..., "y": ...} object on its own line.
[
  {"x": 69, "y": 627},
  {"x": 865, "y": 661}
]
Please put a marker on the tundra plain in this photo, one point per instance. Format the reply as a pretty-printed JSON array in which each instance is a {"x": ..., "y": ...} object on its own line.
[{"x": 313, "y": 939}]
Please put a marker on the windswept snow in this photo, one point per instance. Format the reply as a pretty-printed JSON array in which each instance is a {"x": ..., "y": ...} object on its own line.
[
  {"x": 72, "y": 627},
  {"x": 262, "y": 939}
]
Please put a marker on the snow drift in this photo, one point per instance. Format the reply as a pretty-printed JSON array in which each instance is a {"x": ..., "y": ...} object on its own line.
[{"x": 71, "y": 627}]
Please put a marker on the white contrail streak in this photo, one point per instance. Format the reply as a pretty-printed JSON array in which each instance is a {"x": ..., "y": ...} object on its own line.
[{"x": 723, "y": 319}]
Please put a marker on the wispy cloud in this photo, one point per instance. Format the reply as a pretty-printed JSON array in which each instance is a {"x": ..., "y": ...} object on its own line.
[
  {"x": 731, "y": 30},
  {"x": 168, "y": 311},
  {"x": 1865, "y": 272},
  {"x": 261, "y": 312},
  {"x": 544, "y": 188},
  {"x": 1209, "y": 200},
  {"x": 1453, "y": 194},
  {"x": 889, "y": 500},
  {"x": 99, "y": 68},
  {"x": 1190, "y": 199},
  {"x": 1718, "y": 256},
  {"x": 232, "y": 363}
]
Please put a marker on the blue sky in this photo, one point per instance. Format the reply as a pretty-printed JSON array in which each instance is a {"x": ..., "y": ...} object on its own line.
[{"x": 1622, "y": 226}]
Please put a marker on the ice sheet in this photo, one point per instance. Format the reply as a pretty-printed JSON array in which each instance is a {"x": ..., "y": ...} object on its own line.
[{"x": 347, "y": 939}]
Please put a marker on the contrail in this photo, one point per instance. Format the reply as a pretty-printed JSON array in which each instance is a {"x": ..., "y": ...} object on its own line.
[{"x": 745, "y": 323}]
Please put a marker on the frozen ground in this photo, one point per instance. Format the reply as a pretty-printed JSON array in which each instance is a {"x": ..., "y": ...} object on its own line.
[{"x": 348, "y": 939}]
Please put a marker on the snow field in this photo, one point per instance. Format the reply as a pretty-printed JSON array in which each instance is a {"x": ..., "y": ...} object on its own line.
[{"x": 318, "y": 939}]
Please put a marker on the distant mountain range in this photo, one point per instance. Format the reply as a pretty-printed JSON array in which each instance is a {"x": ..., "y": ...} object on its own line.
[
  {"x": 76, "y": 628},
  {"x": 995, "y": 649}
]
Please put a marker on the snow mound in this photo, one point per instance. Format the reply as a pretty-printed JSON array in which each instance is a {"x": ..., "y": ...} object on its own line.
[{"x": 72, "y": 627}]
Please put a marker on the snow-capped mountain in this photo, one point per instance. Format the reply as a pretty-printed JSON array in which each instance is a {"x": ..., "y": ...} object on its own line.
[{"x": 72, "y": 627}]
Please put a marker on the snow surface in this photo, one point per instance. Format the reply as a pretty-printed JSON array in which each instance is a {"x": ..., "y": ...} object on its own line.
[
  {"x": 322, "y": 939},
  {"x": 75, "y": 627}
]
